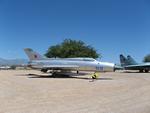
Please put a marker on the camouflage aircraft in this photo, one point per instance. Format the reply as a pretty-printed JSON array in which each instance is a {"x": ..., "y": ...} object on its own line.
[{"x": 130, "y": 64}]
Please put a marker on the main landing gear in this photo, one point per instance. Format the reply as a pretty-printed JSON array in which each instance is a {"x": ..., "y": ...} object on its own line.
[{"x": 146, "y": 71}]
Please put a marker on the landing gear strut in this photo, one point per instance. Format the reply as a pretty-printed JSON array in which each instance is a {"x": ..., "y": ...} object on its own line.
[
  {"x": 44, "y": 70},
  {"x": 146, "y": 70}
]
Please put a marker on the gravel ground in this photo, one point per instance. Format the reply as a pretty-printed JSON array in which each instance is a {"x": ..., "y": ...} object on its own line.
[{"x": 115, "y": 92}]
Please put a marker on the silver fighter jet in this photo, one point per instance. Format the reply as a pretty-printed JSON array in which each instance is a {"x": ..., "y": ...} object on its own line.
[{"x": 38, "y": 61}]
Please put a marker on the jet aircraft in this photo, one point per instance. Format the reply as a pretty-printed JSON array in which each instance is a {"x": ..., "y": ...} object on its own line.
[
  {"x": 130, "y": 64},
  {"x": 38, "y": 61}
]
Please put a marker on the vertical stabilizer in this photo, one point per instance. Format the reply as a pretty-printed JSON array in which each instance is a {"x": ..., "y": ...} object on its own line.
[
  {"x": 131, "y": 61},
  {"x": 33, "y": 55},
  {"x": 123, "y": 60}
]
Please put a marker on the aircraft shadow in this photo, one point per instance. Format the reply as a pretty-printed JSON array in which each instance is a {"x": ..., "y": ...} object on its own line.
[{"x": 62, "y": 76}]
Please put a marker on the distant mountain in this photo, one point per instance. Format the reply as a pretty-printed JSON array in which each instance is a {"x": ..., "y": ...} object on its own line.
[{"x": 13, "y": 61}]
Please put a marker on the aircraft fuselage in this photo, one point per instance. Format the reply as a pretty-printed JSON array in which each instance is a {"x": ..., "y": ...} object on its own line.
[{"x": 76, "y": 65}]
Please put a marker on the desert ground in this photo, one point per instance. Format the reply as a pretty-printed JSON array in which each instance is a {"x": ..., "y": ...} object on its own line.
[{"x": 29, "y": 91}]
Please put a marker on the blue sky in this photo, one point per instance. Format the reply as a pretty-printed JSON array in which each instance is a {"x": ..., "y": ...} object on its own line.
[{"x": 111, "y": 26}]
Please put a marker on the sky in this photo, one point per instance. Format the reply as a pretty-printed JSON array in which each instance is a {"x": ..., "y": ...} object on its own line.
[{"x": 112, "y": 27}]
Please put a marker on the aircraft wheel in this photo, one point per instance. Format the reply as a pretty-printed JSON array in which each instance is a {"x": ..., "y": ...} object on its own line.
[
  {"x": 146, "y": 70},
  {"x": 141, "y": 71}
]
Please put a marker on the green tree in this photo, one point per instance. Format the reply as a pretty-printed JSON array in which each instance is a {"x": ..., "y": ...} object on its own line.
[
  {"x": 72, "y": 48},
  {"x": 147, "y": 58}
]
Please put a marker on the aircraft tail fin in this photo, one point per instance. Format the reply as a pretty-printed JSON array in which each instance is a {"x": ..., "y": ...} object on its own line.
[
  {"x": 123, "y": 60},
  {"x": 131, "y": 61},
  {"x": 32, "y": 55}
]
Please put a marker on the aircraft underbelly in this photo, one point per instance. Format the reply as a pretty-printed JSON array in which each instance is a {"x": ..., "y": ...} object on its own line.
[{"x": 137, "y": 68}]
